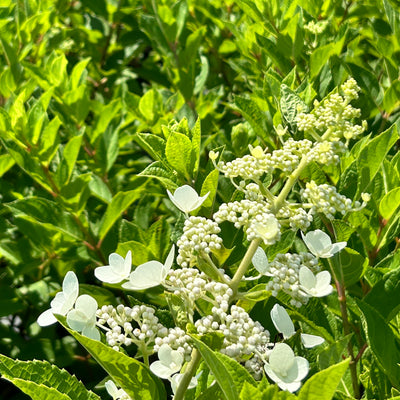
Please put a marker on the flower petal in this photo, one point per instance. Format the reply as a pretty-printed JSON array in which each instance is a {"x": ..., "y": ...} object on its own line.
[
  {"x": 145, "y": 276},
  {"x": 87, "y": 305},
  {"x": 317, "y": 242},
  {"x": 282, "y": 321},
  {"x": 310, "y": 341},
  {"x": 336, "y": 247},
  {"x": 281, "y": 359},
  {"x": 290, "y": 387},
  {"x": 307, "y": 279},
  {"x": 161, "y": 370},
  {"x": 70, "y": 285},
  {"x": 168, "y": 262},
  {"x": 108, "y": 275},
  {"x": 260, "y": 262},
  {"x": 76, "y": 320},
  {"x": 91, "y": 332},
  {"x": 46, "y": 318}
]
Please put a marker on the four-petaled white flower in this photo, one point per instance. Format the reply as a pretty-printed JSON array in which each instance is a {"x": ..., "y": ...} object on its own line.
[
  {"x": 282, "y": 321},
  {"x": 286, "y": 369},
  {"x": 82, "y": 318},
  {"x": 150, "y": 274},
  {"x": 260, "y": 262},
  {"x": 63, "y": 302},
  {"x": 315, "y": 285},
  {"x": 114, "y": 392},
  {"x": 170, "y": 362},
  {"x": 176, "y": 380},
  {"x": 320, "y": 244},
  {"x": 118, "y": 270},
  {"x": 186, "y": 198}
]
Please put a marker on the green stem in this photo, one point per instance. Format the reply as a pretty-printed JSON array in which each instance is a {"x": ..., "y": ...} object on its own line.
[
  {"x": 278, "y": 203},
  {"x": 234, "y": 284},
  {"x": 210, "y": 262},
  {"x": 346, "y": 328},
  {"x": 188, "y": 375}
]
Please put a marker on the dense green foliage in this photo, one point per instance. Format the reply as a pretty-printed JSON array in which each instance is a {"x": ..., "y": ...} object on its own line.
[{"x": 105, "y": 104}]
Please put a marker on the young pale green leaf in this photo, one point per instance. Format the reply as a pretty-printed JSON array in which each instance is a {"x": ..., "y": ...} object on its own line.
[
  {"x": 384, "y": 296},
  {"x": 77, "y": 72},
  {"x": 41, "y": 380},
  {"x": 106, "y": 115},
  {"x": 322, "y": 385},
  {"x": 133, "y": 376},
  {"x": 120, "y": 202},
  {"x": 230, "y": 375},
  {"x": 382, "y": 341},
  {"x": 150, "y": 105},
  {"x": 49, "y": 140},
  {"x": 196, "y": 146},
  {"x": 178, "y": 152},
  {"x": 210, "y": 185},
  {"x": 390, "y": 203}
]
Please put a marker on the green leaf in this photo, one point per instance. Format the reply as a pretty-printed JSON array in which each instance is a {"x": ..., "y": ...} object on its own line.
[
  {"x": 384, "y": 296},
  {"x": 48, "y": 213},
  {"x": 140, "y": 252},
  {"x": 150, "y": 104},
  {"x": 282, "y": 246},
  {"x": 49, "y": 140},
  {"x": 178, "y": 152},
  {"x": 351, "y": 264},
  {"x": 390, "y": 203},
  {"x": 229, "y": 374},
  {"x": 41, "y": 380},
  {"x": 322, "y": 385},
  {"x": 133, "y": 376},
  {"x": 196, "y": 143},
  {"x": 70, "y": 155},
  {"x": 165, "y": 176},
  {"x": 291, "y": 104},
  {"x": 342, "y": 230},
  {"x": 252, "y": 113},
  {"x": 210, "y": 186},
  {"x": 333, "y": 353},
  {"x": 382, "y": 341},
  {"x": 120, "y": 202},
  {"x": 372, "y": 156},
  {"x": 322, "y": 54},
  {"x": 76, "y": 74},
  {"x": 153, "y": 144},
  {"x": 6, "y": 162}
]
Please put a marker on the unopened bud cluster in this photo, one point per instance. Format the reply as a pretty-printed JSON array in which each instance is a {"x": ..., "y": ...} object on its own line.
[
  {"x": 242, "y": 335},
  {"x": 316, "y": 28},
  {"x": 178, "y": 340},
  {"x": 125, "y": 325},
  {"x": 199, "y": 234},
  {"x": 332, "y": 117},
  {"x": 326, "y": 200},
  {"x": 285, "y": 270}
]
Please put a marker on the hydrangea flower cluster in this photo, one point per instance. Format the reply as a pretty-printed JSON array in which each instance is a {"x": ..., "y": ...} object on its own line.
[{"x": 209, "y": 298}]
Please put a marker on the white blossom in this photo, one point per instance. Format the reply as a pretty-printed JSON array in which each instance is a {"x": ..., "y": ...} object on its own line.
[
  {"x": 315, "y": 285},
  {"x": 82, "y": 318},
  {"x": 320, "y": 244},
  {"x": 170, "y": 362},
  {"x": 63, "y": 302},
  {"x": 186, "y": 198},
  {"x": 150, "y": 274},
  {"x": 260, "y": 262},
  {"x": 286, "y": 369},
  {"x": 118, "y": 270}
]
